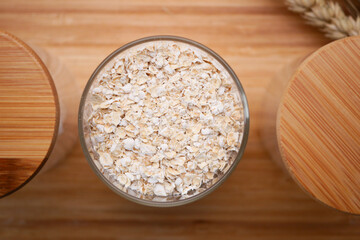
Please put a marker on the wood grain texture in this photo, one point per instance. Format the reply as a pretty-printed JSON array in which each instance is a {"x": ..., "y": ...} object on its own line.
[
  {"x": 318, "y": 125},
  {"x": 28, "y": 113},
  {"x": 68, "y": 93},
  {"x": 258, "y": 201},
  {"x": 271, "y": 101}
]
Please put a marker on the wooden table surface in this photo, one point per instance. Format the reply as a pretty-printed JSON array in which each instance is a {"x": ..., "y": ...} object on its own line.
[{"x": 257, "y": 202}]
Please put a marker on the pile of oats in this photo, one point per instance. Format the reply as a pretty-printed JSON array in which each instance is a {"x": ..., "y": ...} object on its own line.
[{"x": 166, "y": 120}]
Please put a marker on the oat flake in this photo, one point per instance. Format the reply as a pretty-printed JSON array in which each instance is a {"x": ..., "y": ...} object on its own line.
[{"x": 166, "y": 119}]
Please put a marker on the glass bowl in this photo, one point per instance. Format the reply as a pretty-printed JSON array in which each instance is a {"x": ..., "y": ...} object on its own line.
[{"x": 92, "y": 156}]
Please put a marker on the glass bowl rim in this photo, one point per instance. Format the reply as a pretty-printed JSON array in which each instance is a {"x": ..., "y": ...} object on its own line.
[{"x": 222, "y": 178}]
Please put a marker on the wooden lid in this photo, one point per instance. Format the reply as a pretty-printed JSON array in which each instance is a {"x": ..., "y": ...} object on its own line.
[
  {"x": 318, "y": 125},
  {"x": 28, "y": 113}
]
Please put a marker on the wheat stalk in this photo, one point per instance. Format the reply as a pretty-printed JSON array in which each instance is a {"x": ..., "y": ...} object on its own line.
[{"x": 328, "y": 16}]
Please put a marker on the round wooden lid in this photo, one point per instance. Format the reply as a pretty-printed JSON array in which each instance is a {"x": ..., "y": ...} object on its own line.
[
  {"x": 318, "y": 125},
  {"x": 28, "y": 113}
]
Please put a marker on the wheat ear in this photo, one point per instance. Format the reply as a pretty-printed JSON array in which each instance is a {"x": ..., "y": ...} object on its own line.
[{"x": 328, "y": 16}]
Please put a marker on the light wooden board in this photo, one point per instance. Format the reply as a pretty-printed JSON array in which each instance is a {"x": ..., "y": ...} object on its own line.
[{"x": 257, "y": 202}]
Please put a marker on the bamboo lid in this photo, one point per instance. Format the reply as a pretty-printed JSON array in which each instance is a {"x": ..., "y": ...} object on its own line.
[
  {"x": 28, "y": 113},
  {"x": 318, "y": 125}
]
